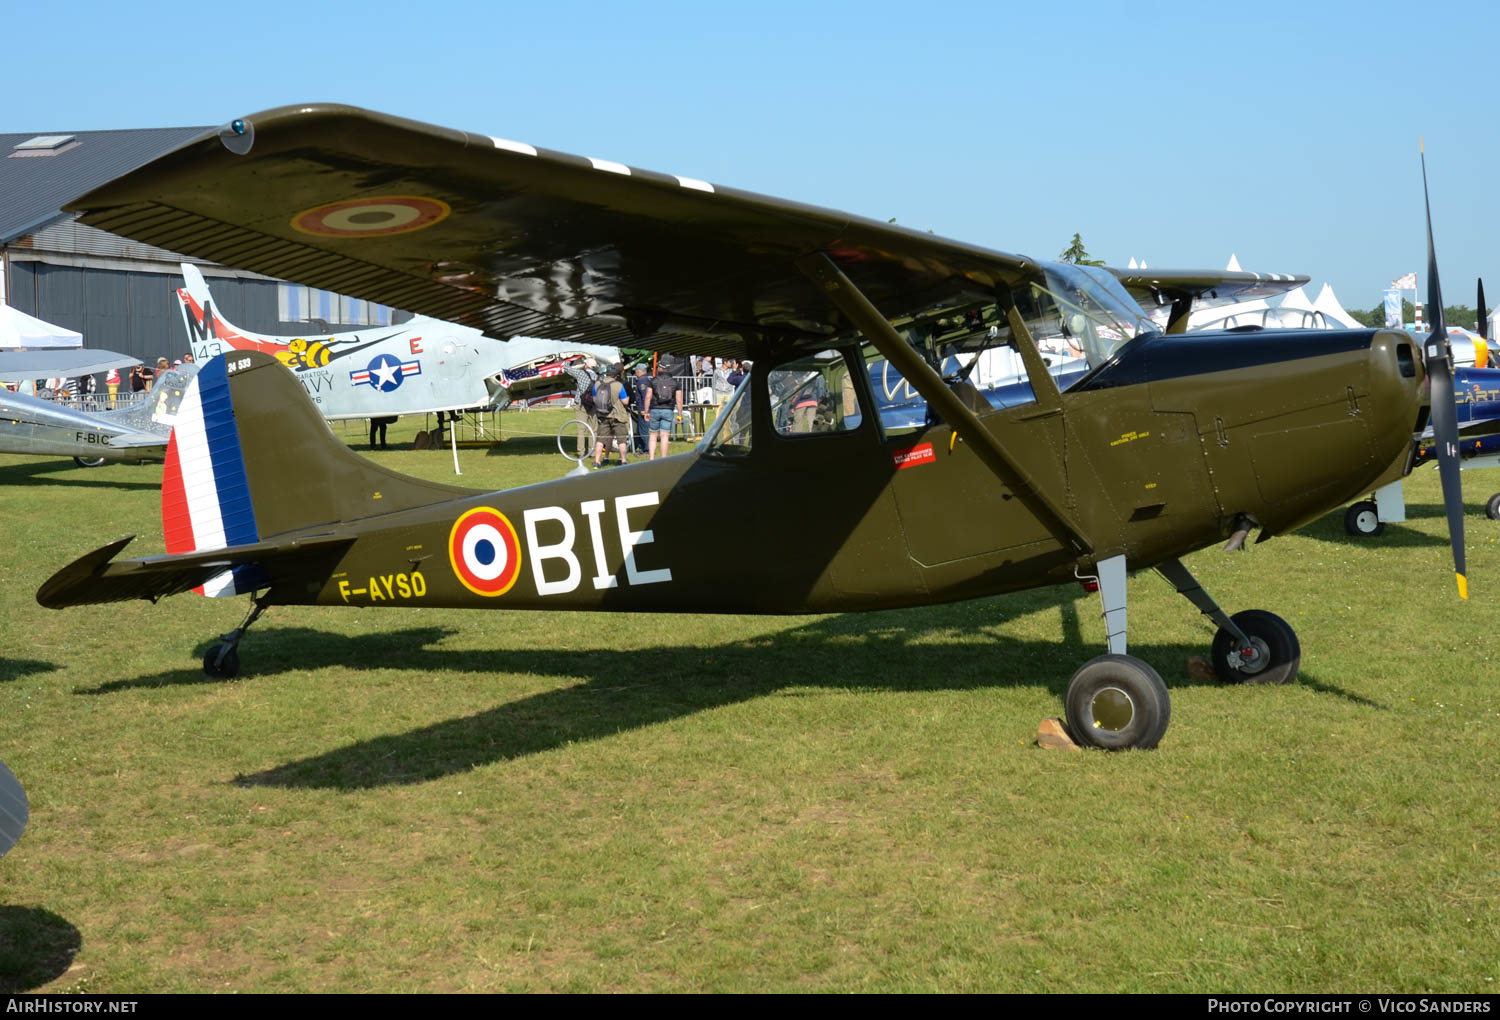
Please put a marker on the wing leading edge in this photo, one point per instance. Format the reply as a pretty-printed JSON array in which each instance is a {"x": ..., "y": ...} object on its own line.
[{"x": 519, "y": 240}]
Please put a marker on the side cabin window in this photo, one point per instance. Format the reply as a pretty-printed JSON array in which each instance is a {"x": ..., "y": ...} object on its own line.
[
  {"x": 730, "y": 434},
  {"x": 814, "y": 395},
  {"x": 1078, "y": 317}
]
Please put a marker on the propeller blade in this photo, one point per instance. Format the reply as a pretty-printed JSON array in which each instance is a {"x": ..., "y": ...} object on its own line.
[
  {"x": 1439, "y": 358},
  {"x": 1484, "y": 315}
]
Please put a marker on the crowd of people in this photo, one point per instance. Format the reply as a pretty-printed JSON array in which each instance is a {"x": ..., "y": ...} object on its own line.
[
  {"x": 81, "y": 388},
  {"x": 640, "y": 414}
]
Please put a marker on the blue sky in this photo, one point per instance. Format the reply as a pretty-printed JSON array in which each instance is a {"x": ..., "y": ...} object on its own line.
[{"x": 1174, "y": 132}]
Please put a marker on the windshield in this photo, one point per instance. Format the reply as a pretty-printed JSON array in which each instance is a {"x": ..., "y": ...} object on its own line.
[{"x": 1080, "y": 311}]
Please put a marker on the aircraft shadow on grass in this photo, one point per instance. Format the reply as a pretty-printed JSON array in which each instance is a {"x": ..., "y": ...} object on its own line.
[
  {"x": 14, "y": 669},
  {"x": 1399, "y": 536},
  {"x": 933, "y": 649},
  {"x": 36, "y": 946},
  {"x": 41, "y": 472}
]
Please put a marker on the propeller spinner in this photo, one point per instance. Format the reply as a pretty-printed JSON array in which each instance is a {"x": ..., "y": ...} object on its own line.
[{"x": 1439, "y": 358}]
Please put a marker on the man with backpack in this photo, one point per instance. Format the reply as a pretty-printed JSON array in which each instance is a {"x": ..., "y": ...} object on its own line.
[
  {"x": 638, "y": 387},
  {"x": 613, "y": 415},
  {"x": 583, "y": 401},
  {"x": 663, "y": 406}
]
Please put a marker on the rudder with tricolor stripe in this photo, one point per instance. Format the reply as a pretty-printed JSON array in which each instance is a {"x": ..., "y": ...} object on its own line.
[{"x": 251, "y": 458}]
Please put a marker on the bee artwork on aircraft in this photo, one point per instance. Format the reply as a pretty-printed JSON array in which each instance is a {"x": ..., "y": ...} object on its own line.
[
  {"x": 421, "y": 366},
  {"x": 1159, "y": 443}
]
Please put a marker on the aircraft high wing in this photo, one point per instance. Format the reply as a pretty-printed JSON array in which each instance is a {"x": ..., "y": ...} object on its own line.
[{"x": 1156, "y": 446}]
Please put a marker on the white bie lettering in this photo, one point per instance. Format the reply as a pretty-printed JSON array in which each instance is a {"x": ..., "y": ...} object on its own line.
[
  {"x": 630, "y": 539},
  {"x": 592, "y": 510},
  {"x": 558, "y": 551}
]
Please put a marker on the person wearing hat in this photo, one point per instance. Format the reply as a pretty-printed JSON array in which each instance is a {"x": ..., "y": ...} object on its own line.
[{"x": 613, "y": 414}]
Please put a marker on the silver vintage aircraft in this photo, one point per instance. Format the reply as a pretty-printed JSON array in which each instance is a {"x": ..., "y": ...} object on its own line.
[{"x": 31, "y": 425}]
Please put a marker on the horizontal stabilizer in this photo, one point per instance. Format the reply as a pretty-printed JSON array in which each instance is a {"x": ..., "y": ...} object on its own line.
[{"x": 94, "y": 578}]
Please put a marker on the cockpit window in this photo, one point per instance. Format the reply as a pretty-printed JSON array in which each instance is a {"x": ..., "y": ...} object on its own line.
[
  {"x": 814, "y": 395},
  {"x": 1080, "y": 311},
  {"x": 1077, "y": 315}
]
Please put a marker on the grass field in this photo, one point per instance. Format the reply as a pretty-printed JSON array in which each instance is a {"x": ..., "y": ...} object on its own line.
[{"x": 427, "y": 800}]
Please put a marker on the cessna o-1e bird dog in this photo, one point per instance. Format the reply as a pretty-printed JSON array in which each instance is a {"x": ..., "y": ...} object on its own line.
[{"x": 1168, "y": 442}]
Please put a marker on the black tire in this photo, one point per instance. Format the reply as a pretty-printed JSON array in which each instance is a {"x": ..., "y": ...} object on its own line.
[
  {"x": 89, "y": 461},
  {"x": 422, "y": 441},
  {"x": 226, "y": 670},
  {"x": 1279, "y": 653},
  {"x": 1363, "y": 520},
  {"x": 1116, "y": 702},
  {"x": 1492, "y": 508}
]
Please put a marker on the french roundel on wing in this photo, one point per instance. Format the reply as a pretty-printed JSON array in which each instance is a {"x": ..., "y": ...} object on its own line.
[
  {"x": 484, "y": 552},
  {"x": 376, "y": 216}
]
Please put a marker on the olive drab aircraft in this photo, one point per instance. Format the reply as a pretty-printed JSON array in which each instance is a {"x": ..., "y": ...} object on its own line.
[
  {"x": 1476, "y": 394},
  {"x": 1167, "y": 443},
  {"x": 420, "y": 366}
]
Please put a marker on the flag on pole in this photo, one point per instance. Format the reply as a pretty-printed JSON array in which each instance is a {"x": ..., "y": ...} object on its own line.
[
  {"x": 1407, "y": 282},
  {"x": 1393, "y": 309}
]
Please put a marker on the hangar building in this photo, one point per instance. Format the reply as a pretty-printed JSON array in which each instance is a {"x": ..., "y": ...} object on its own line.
[{"x": 120, "y": 294}]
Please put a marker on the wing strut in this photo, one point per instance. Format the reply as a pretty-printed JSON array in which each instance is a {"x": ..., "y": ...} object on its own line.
[{"x": 877, "y": 329}]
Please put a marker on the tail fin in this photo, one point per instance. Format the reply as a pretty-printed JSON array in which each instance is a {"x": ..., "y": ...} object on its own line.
[
  {"x": 210, "y": 334},
  {"x": 251, "y": 458}
]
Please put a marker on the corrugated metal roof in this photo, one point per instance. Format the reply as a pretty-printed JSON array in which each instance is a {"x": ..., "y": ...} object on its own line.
[{"x": 33, "y": 190}]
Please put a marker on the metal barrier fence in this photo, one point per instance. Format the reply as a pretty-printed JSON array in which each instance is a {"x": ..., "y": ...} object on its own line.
[{"x": 97, "y": 401}]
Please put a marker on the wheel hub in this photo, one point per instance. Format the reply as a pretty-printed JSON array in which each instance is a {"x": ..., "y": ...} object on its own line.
[
  {"x": 1111, "y": 709},
  {"x": 1251, "y": 659},
  {"x": 1367, "y": 521}
]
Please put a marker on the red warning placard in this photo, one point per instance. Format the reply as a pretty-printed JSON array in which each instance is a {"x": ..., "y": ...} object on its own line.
[{"x": 912, "y": 456}]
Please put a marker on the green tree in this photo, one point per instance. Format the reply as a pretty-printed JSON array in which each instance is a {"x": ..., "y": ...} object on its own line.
[
  {"x": 1078, "y": 255},
  {"x": 1453, "y": 315}
]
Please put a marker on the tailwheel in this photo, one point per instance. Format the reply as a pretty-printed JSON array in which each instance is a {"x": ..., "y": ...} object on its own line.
[
  {"x": 222, "y": 661},
  {"x": 1117, "y": 701},
  {"x": 1272, "y": 656},
  {"x": 1363, "y": 520},
  {"x": 1492, "y": 508}
]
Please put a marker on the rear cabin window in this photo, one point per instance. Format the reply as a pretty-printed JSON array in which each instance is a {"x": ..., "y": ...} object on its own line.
[{"x": 814, "y": 395}]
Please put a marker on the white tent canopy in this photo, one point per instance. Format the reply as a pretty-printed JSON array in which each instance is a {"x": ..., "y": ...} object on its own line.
[
  {"x": 1332, "y": 309},
  {"x": 17, "y": 329}
]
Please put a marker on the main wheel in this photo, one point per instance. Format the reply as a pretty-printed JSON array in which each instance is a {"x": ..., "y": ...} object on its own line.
[
  {"x": 228, "y": 669},
  {"x": 1272, "y": 658},
  {"x": 1115, "y": 702},
  {"x": 1492, "y": 508},
  {"x": 1363, "y": 520},
  {"x": 88, "y": 461}
]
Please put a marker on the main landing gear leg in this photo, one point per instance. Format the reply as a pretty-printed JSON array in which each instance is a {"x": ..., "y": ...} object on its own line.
[
  {"x": 1116, "y": 701},
  {"x": 222, "y": 661},
  {"x": 1251, "y": 647}
]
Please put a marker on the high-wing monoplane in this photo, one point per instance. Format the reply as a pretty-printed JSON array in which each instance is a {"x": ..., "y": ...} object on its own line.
[{"x": 1166, "y": 443}]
